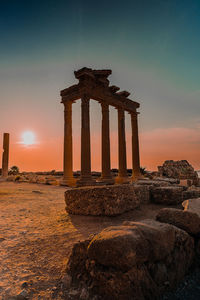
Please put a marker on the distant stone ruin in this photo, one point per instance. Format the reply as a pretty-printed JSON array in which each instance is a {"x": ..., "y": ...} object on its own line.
[
  {"x": 180, "y": 169},
  {"x": 94, "y": 84}
]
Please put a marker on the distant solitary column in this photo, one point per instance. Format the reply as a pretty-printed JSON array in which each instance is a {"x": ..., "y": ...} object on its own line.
[
  {"x": 86, "y": 176},
  {"x": 5, "y": 156},
  {"x": 122, "y": 175},
  {"x": 68, "y": 151},
  {"x": 135, "y": 147},
  {"x": 105, "y": 145}
]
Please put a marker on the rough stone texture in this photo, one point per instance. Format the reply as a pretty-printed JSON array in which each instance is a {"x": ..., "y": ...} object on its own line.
[
  {"x": 186, "y": 220},
  {"x": 178, "y": 169},
  {"x": 167, "y": 195},
  {"x": 152, "y": 182},
  {"x": 168, "y": 180},
  {"x": 138, "y": 260},
  {"x": 192, "y": 205},
  {"x": 143, "y": 193},
  {"x": 191, "y": 193},
  {"x": 102, "y": 200}
]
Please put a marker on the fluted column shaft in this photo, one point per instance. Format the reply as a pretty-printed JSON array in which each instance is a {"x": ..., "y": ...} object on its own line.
[
  {"x": 105, "y": 143},
  {"x": 5, "y": 156},
  {"x": 68, "y": 150},
  {"x": 122, "y": 175},
  {"x": 135, "y": 147},
  {"x": 86, "y": 177}
]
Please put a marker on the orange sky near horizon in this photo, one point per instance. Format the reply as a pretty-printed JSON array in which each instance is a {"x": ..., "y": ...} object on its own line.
[{"x": 156, "y": 146}]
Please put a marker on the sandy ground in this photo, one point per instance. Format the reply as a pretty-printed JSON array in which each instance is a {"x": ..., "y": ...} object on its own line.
[{"x": 36, "y": 236}]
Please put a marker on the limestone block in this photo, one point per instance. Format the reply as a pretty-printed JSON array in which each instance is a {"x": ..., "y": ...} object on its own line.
[
  {"x": 167, "y": 195},
  {"x": 102, "y": 200},
  {"x": 190, "y": 194},
  {"x": 183, "y": 219}
]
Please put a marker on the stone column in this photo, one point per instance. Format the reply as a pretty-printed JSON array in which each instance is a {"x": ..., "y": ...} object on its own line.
[
  {"x": 5, "y": 156},
  {"x": 86, "y": 176},
  {"x": 135, "y": 148},
  {"x": 122, "y": 175},
  {"x": 68, "y": 178},
  {"x": 105, "y": 146}
]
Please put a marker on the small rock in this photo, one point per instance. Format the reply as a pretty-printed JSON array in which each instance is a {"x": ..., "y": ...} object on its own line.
[
  {"x": 24, "y": 285},
  {"x": 37, "y": 192},
  {"x": 84, "y": 294},
  {"x": 73, "y": 293},
  {"x": 67, "y": 280}
]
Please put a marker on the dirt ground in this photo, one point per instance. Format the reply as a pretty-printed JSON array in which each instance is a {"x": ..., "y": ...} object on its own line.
[{"x": 36, "y": 236}]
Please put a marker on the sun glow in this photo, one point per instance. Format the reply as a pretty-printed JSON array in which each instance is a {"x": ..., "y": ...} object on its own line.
[{"x": 28, "y": 138}]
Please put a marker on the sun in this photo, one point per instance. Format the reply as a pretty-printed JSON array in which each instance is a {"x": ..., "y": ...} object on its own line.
[{"x": 28, "y": 138}]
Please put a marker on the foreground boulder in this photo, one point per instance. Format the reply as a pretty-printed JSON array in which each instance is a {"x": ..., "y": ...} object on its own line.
[
  {"x": 138, "y": 260},
  {"x": 183, "y": 219},
  {"x": 169, "y": 195},
  {"x": 104, "y": 200}
]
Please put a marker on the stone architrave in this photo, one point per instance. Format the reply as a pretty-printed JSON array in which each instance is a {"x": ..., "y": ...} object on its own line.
[
  {"x": 122, "y": 175},
  {"x": 86, "y": 175},
  {"x": 135, "y": 148},
  {"x": 68, "y": 178},
  {"x": 5, "y": 157}
]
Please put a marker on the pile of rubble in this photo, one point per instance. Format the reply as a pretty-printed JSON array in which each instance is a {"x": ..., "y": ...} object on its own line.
[{"x": 180, "y": 169}]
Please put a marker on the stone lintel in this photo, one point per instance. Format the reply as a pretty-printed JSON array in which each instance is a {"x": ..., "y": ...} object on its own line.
[
  {"x": 72, "y": 89},
  {"x": 124, "y": 94},
  {"x": 92, "y": 73},
  {"x": 95, "y": 84},
  {"x": 114, "y": 88}
]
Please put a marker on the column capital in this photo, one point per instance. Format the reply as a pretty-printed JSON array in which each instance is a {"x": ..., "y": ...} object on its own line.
[{"x": 85, "y": 99}]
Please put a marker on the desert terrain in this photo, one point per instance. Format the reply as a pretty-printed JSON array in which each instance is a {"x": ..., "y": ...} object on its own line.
[{"x": 37, "y": 235}]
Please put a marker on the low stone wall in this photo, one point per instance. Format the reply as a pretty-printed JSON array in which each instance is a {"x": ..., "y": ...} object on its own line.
[
  {"x": 138, "y": 260},
  {"x": 167, "y": 195},
  {"x": 105, "y": 200},
  {"x": 116, "y": 199}
]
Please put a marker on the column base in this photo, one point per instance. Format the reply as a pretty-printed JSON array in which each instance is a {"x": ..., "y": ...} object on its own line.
[
  {"x": 85, "y": 181},
  {"x": 106, "y": 180},
  {"x": 122, "y": 180},
  {"x": 135, "y": 177},
  {"x": 68, "y": 182}
]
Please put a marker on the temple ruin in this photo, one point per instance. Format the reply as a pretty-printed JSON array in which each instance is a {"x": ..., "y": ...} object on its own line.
[{"x": 94, "y": 84}]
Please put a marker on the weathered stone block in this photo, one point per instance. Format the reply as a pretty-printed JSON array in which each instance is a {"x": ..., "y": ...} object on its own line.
[
  {"x": 167, "y": 195},
  {"x": 132, "y": 261},
  {"x": 183, "y": 219},
  {"x": 190, "y": 194},
  {"x": 102, "y": 200},
  {"x": 143, "y": 193}
]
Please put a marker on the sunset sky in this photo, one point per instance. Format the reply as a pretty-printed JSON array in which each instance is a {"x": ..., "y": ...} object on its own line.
[{"x": 153, "y": 49}]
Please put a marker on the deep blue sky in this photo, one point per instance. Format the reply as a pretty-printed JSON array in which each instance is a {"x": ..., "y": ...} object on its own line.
[{"x": 152, "y": 47}]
